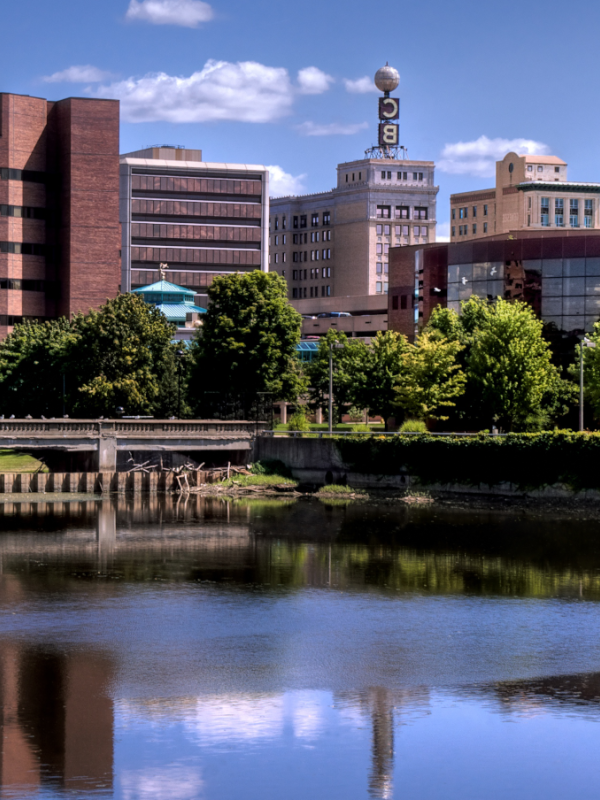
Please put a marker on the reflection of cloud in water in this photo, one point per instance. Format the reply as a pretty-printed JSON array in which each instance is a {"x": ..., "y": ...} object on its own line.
[{"x": 176, "y": 783}]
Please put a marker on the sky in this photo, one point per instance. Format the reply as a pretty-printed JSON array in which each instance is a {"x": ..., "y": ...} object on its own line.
[{"x": 289, "y": 85}]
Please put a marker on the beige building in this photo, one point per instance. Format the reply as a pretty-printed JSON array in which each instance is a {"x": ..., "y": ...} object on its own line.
[
  {"x": 336, "y": 244},
  {"x": 532, "y": 192}
]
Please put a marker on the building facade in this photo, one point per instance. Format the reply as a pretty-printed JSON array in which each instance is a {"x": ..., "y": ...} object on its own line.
[
  {"x": 202, "y": 219},
  {"x": 59, "y": 207},
  {"x": 531, "y": 193},
  {"x": 337, "y": 243},
  {"x": 556, "y": 272}
]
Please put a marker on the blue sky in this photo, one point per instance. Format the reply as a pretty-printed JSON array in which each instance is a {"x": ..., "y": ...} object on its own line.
[{"x": 267, "y": 82}]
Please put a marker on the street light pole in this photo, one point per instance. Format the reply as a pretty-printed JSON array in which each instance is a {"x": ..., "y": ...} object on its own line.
[
  {"x": 330, "y": 388},
  {"x": 179, "y": 354},
  {"x": 585, "y": 342}
]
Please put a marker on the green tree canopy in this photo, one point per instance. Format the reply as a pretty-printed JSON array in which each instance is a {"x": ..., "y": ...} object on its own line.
[
  {"x": 347, "y": 360},
  {"x": 431, "y": 378},
  {"x": 380, "y": 368},
  {"x": 247, "y": 343}
]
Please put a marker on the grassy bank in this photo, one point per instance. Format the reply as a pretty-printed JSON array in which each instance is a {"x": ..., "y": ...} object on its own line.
[{"x": 10, "y": 461}]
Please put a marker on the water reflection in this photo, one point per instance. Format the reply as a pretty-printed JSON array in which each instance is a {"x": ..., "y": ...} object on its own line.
[
  {"x": 57, "y": 719},
  {"x": 195, "y": 649}
]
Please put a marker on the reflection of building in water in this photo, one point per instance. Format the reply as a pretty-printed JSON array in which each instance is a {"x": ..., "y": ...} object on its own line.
[
  {"x": 57, "y": 720},
  {"x": 575, "y": 691}
]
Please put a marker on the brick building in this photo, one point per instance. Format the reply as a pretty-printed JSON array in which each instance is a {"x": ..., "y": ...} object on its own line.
[
  {"x": 59, "y": 196},
  {"x": 531, "y": 193},
  {"x": 202, "y": 219}
]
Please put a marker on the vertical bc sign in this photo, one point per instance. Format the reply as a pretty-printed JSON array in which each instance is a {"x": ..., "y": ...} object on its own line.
[{"x": 389, "y": 109}]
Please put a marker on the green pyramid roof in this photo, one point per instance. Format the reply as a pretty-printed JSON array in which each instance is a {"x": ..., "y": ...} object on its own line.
[{"x": 163, "y": 286}]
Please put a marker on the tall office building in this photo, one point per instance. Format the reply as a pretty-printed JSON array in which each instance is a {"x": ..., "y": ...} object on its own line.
[
  {"x": 202, "y": 219},
  {"x": 59, "y": 195}
]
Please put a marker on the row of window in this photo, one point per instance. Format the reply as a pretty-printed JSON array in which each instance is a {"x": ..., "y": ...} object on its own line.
[
  {"x": 463, "y": 230},
  {"x": 353, "y": 178},
  {"x": 27, "y": 212},
  {"x": 10, "y": 319},
  {"x": 540, "y": 168},
  {"x": 559, "y": 212},
  {"x": 381, "y": 287},
  {"x": 23, "y": 285},
  {"x": 23, "y": 248},
  {"x": 382, "y": 268},
  {"x": 164, "y": 183},
  {"x": 401, "y": 212},
  {"x": 463, "y": 213},
  {"x": 403, "y": 301},
  {"x": 315, "y": 274},
  {"x": 386, "y": 175},
  {"x": 315, "y": 255},
  {"x": 302, "y": 238},
  {"x": 299, "y": 293},
  {"x": 301, "y": 221},
  {"x": 29, "y": 175}
]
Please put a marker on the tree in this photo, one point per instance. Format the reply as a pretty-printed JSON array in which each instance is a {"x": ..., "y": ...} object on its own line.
[
  {"x": 591, "y": 370},
  {"x": 348, "y": 363},
  {"x": 380, "y": 367},
  {"x": 509, "y": 364},
  {"x": 120, "y": 355},
  {"x": 431, "y": 378},
  {"x": 32, "y": 368},
  {"x": 247, "y": 343}
]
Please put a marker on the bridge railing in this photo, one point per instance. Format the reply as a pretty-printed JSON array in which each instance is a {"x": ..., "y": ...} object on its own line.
[{"x": 123, "y": 428}]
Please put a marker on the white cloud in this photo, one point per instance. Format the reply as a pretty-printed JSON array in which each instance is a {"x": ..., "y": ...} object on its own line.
[
  {"x": 282, "y": 184},
  {"x": 360, "y": 85},
  {"x": 242, "y": 92},
  {"x": 479, "y": 157},
  {"x": 312, "y": 80},
  {"x": 80, "y": 74},
  {"x": 176, "y": 783},
  {"x": 187, "y": 13},
  {"x": 331, "y": 129},
  {"x": 442, "y": 232}
]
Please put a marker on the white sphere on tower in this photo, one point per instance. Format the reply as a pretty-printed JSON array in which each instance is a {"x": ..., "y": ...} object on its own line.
[{"x": 387, "y": 78}]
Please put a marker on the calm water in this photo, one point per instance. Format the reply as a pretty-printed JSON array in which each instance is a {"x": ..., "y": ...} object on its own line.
[{"x": 297, "y": 650}]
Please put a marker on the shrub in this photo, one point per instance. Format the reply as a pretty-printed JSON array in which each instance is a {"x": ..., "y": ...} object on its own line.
[
  {"x": 355, "y": 414},
  {"x": 271, "y": 466},
  {"x": 413, "y": 426},
  {"x": 298, "y": 422},
  {"x": 360, "y": 429}
]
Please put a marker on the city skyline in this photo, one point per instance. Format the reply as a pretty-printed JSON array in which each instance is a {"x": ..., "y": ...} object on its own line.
[{"x": 292, "y": 88}]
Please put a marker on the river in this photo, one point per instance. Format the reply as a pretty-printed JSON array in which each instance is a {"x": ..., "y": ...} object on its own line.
[{"x": 161, "y": 648}]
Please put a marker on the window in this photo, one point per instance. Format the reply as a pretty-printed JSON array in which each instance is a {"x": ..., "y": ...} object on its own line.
[
  {"x": 322, "y": 291},
  {"x": 346, "y": 178},
  {"x": 329, "y": 255},
  {"x": 352, "y": 177},
  {"x": 382, "y": 175},
  {"x": 304, "y": 291},
  {"x": 295, "y": 238},
  {"x": 462, "y": 213},
  {"x": 474, "y": 228},
  {"x": 398, "y": 176},
  {"x": 386, "y": 268},
  {"x": 379, "y": 248},
  {"x": 385, "y": 287},
  {"x": 529, "y": 168},
  {"x": 27, "y": 212},
  {"x": 295, "y": 222},
  {"x": 528, "y": 220},
  {"x": 379, "y": 229},
  {"x": 317, "y": 273},
  {"x": 327, "y": 218},
  {"x": 312, "y": 237},
  {"x": 283, "y": 257},
  {"x": 540, "y": 169},
  {"x": 386, "y": 230},
  {"x": 454, "y": 231},
  {"x": 588, "y": 213},
  {"x": 485, "y": 211},
  {"x": 559, "y": 210},
  {"x": 405, "y": 230},
  {"x": 277, "y": 258},
  {"x": 359, "y": 178},
  {"x": 303, "y": 220},
  {"x": 312, "y": 274},
  {"x": 389, "y": 176},
  {"x": 295, "y": 274},
  {"x": 283, "y": 271},
  {"x": 420, "y": 176},
  {"x": 574, "y": 213},
  {"x": 402, "y": 212},
  {"x": 328, "y": 291},
  {"x": 314, "y": 220},
  {"x": 383, "y": 212},
  {"x": 403, "y": 300},
  {"x": 417, "y": 230},
  {"x": 379, "y": 268},
  {"x": 419, "y": 213},
  {"x": 378, "y": 287},
  {"x": 305, "y": 274},
  {"x": 276, "y": 238},
  {"x": 545, "y": 211},
  {"x": 312, "y": 255},
  {"x": 316, "y": 255},
  {"x": 283, "y": 224},
  {"x": 485, "y": 227},
  {"x": 474, "y": 211},
  {"x": 276, "y": 223},
  {"x": 395, "y": 302},
  {"x": 415, "y": 176},
  {"x": 397, "y": 230},
  {"x": 294, "y": 293},
  {"x": 453, "y": 213},
  {"x": 386, "y": 248}
]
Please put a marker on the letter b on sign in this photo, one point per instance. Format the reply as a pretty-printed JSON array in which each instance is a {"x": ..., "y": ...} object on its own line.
[{"x": 388, "y": 134}]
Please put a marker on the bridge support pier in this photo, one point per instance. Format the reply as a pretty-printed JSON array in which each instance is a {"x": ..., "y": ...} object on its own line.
[{"x": 107, "y": 454}]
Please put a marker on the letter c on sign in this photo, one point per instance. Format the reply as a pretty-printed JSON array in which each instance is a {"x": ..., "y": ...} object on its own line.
[{"x": 389, "y": 108}]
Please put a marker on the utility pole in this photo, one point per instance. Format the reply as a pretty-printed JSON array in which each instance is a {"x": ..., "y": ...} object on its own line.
[{"x": 330, "y": 388}]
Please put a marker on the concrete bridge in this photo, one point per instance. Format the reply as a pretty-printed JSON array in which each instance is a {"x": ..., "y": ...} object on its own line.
[{"x": 99, "y": 445}]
